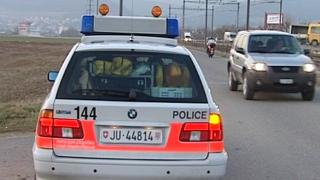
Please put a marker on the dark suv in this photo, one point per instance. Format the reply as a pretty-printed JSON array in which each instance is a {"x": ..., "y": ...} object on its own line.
[{"x": 270, "y": 61}]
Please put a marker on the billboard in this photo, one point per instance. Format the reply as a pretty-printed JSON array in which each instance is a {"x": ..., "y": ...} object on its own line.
[{"x": 274, "y": 18}]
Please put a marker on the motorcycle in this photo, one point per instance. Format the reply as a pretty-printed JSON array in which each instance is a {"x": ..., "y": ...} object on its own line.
[{"x": 210, "y": 51}]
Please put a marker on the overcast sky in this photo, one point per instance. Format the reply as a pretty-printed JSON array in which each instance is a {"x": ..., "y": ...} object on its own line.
[{"x": 297, "y": 10}]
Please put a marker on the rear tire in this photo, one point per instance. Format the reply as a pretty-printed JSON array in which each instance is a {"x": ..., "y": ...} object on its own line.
[
  {"x": 308, "y": 95},
  {"x": 248, "y": 92},
  {"x": 233, "y": 84}
]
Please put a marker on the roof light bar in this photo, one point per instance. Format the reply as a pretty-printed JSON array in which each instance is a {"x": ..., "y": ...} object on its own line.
[{"x": 122, "y": 25}]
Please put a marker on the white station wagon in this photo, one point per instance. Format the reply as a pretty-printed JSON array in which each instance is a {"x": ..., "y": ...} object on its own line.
[{"x": 129, "y": 103}]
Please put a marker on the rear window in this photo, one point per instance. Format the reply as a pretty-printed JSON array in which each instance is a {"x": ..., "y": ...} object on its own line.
[{"x": 131, "y": 76}]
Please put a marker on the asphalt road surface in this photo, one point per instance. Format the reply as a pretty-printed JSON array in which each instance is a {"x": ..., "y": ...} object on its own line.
[{"x": 275, "y": 137}]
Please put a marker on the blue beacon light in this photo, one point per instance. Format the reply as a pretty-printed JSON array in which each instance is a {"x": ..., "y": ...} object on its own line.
[
  {"x": 172, "y": 28},
  {"x": 87, "y": 25}
]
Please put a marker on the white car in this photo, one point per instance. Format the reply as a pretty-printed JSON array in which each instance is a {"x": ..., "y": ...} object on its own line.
[
  {"x": 229, "y": 36},
  {"x": 187, "y": 37},
  {"x": 129, "y": 105}
]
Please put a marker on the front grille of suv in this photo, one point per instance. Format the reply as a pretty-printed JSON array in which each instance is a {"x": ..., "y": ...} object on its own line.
[{"x": 285, "y": 69}]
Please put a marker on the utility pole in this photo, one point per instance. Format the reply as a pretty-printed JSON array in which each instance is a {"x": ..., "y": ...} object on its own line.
[
  {"x": 97, "y": 7},
  {"x": 238, "y": 15},
  {"x": 280, "y": 21},
  {"x": 121, "y": 8},
  {"x": 212, "y": 20},
  {"x": 183, "y": 14},
  {"x": 206, "y": 23},
  {"x": 248, "y": 15},
  {"x": 169, "y": 10}
]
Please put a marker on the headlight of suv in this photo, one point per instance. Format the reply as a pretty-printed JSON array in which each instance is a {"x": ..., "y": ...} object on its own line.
[
  {"x": 259, "y": 66},
  {"x": 309, "y": 67}
]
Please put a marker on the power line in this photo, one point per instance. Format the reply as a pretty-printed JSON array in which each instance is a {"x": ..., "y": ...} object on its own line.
[
  {"x": 248, "y": 15},
  {"x": 90, "y": 7}
]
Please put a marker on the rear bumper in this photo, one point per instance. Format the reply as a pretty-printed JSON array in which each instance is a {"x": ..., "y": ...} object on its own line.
[
  {"x": 48, "y": 166},
  {"x": 269, "y": 81}
]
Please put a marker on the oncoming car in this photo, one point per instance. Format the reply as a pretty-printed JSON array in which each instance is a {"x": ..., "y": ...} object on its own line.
[
  {"x": 270, "y": 61},
  {"x": 129, "y": 105}
]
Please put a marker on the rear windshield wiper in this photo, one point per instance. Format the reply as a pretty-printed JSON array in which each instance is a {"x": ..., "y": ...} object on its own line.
[
  {"x": 109, "y": 92},
  {"x": 131, "y": 94}
]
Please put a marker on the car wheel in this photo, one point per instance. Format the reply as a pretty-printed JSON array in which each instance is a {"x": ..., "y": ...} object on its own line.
[
  {"x": 314, "y": 43},
  {"x": 233, "y": 84},
  {"x": 248, "y": 92},
  {"x": 308, "y": 95}
]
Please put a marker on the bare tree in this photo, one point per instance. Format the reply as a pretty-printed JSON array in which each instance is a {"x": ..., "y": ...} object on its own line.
[{"x": 287, "y": 23}]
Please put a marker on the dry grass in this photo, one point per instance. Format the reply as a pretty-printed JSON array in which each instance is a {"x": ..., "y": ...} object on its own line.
[
  {"x": 18, "y": 117},
  {"x": 24, "y": 65}
]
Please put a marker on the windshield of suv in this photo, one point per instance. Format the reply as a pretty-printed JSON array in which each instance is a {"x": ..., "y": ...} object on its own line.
[
  {"x": 274, "y": 44},
  {"x": 131, "y": 76}
]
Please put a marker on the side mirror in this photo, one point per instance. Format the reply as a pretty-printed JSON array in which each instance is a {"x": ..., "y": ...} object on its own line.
[
  {"x": 307, "y": 52},
  {"x": 52, "y": 76},
  {"x": 240, "y": 50}
]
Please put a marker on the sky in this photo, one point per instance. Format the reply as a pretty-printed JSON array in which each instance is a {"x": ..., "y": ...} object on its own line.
[{"x": 298, "y": 11}]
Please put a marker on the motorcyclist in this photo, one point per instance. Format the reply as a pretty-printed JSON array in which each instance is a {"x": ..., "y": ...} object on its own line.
[{"x": 211, "y": 44}]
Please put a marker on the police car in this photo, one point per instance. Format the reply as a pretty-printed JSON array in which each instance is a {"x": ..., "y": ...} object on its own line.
[{"x": 129, "y": 103}]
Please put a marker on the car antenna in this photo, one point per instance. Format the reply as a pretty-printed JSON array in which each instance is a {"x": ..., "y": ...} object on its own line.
[
  {"x": 132, "y": 95},
  {"x": 131, "y": 38}
]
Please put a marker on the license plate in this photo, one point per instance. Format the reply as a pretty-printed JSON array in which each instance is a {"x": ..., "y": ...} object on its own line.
[
  {"x": 130, "y": 136},
  {"x": 286, "y": 81}
]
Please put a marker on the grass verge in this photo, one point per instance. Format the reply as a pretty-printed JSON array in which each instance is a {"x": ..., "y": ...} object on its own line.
[
  {"x": 52, "y": 40},
  {"x": 18, "y": 117}
]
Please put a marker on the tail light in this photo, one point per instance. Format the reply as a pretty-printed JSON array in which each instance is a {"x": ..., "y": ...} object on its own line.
[
  {"x": 67, "y": 129},
  {"x": 203, "y": 131},
  {"x": 49, "y": 128},
  {"x": 45, "y": 123}
]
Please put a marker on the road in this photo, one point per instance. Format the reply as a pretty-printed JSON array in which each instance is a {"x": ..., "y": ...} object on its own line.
[{"x": 272, "y": 138}]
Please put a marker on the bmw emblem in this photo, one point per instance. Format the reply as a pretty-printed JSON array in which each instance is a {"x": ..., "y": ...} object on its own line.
[{"x": 132, "y": 114}]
